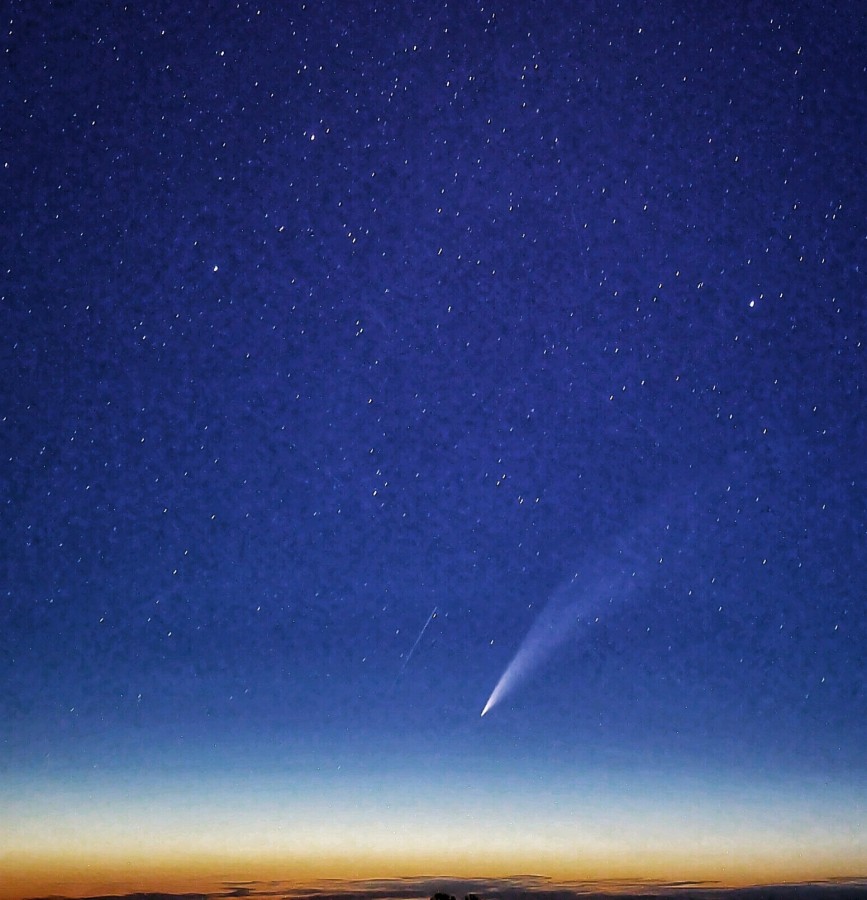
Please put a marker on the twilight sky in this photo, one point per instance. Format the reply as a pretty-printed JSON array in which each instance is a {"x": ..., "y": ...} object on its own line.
[{"x": 347, "y": 346}]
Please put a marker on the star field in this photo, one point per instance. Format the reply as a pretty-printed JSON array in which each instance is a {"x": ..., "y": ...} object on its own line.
[{"x": 318, "y": 319}]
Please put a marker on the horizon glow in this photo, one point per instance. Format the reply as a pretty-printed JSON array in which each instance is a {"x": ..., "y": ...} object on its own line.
[{"x": 656, "y": 825}]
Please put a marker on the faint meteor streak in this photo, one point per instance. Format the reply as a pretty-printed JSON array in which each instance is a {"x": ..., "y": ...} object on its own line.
[{"x": 430, "y": 618}]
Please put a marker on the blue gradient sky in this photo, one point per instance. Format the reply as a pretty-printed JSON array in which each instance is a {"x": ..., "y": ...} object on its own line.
[{"x": 316, "y": 321}]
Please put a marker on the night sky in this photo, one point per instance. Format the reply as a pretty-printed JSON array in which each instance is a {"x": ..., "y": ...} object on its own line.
[{"x": 351, "y": 351}]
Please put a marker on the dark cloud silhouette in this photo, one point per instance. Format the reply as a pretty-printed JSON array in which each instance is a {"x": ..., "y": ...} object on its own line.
[{"x": 516, "y": 888}]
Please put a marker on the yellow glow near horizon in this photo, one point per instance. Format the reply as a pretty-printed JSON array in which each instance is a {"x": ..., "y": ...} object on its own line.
[
  {"x": 170, "y": 863},
  {"x": 115, "y": 836},
  {"x": 58, "y": 874}
]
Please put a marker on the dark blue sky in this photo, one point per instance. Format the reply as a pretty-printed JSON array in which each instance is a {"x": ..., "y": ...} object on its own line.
[{"x": 317, "y": 319}]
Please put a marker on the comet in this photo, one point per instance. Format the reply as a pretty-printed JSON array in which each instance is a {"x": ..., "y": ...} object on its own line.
[
  {"x": 610, "y": 579},
  {"x": 555, "y": 625}
]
